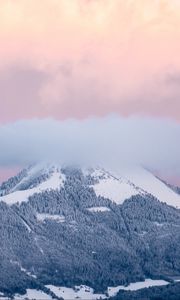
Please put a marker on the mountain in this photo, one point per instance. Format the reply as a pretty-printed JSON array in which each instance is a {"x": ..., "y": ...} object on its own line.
[
  {"x": 86, "y": 227},
  {"x": 116, "y": 186}
]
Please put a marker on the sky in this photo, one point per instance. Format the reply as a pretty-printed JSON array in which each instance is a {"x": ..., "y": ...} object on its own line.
[{"x": 85, "y": 59}]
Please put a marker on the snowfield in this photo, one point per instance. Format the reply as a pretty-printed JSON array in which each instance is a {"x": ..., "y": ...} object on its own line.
[
  {"x": 109, "y": 186},
  {"x": 151, "y": 184},
  {"x": 43, "y": 217},
  {"x": 121, "y": 185},
  {"x": 84, "y": 292},
  {"x": 112, "y": 291},
  {"x": 79, "y": 292},
  {"x": 114, "y": 190},
  {"x": 31, "y": 294},
  {"x": 55, "y": 181}
]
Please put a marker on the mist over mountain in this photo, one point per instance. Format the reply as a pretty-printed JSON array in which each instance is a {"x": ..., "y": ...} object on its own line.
[{"x": 110, "y": 141}]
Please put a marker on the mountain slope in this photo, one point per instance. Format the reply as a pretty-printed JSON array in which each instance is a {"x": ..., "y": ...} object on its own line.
[
  {"x": 116, "y": 186},
  {"x": 123, "y": 184},
  {"x": 36, "y": 180},
  {"x": 70, "y": 235}
]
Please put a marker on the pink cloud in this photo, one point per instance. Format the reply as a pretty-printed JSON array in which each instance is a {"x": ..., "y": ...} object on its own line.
[{"x": 81, "y": 58}]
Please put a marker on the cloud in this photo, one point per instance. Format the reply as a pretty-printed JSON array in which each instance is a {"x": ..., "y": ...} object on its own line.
[
  {"x": 110, "y": 141},
  {"x": 89, "y": 58},
  {"x": 19, "y": 88}
]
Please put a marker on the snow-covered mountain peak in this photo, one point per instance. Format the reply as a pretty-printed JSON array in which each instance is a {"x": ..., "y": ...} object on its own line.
[{"x": 117, "y": 185}]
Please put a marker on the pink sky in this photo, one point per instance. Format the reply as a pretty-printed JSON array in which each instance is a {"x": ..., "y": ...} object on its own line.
[
  {"x": 77, "y": 58},
  {"x": 83, "y": 58},
  {"x": 6, "y": 173}
]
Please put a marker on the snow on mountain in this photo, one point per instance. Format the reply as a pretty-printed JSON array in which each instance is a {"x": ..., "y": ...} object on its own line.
[
  {"x": 145, "y": 180},
  {"x": 123, "y": 184},
  {"x": 114, "y": 185},
  {"x": 32, "y": 294},
  {"x": 112, "y": 291},
  {"x": 43, "y": 217},
  {"x": 98, "y": 209},
  {"x": 79, "y": 292},
  {"x": 83, "y": 292},
  {"x": 114, "y": 188},
  {"x": 54, "y": 180}
]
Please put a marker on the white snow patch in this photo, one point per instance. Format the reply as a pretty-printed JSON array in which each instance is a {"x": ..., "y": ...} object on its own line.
[
  {"x": 84, "y": 292},
  {"x": 32, "y": 294},
  {"x": 81, "y": 292},
  {"x": 54, "y": 182},
  {"x": 43, "y": 217},
  {"x": 125, "y": 183},
  {"x": 146, "y": 181},
  {"x": 112, "y": 291},
  {"x": 111, "y": 187},
  {"x": 98, "y": 209}
]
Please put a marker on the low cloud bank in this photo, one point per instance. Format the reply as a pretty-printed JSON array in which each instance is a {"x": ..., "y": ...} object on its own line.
[{"x": 110, "y": 141}]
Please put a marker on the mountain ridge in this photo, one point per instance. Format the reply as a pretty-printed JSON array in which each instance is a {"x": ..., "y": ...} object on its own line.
[{"x": 117, "y": 186}]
